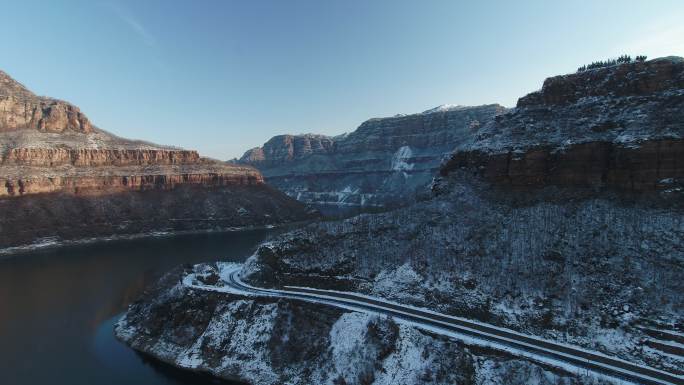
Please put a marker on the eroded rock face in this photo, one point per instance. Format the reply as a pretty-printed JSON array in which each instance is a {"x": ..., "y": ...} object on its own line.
[
  {"x": 21, "y": 109},
  {"x": 49, "y": 152},
  {"x": 615, "y": 127},
  {"x": 87, "y": 157},
  {"x": 384, "y": 161},
  {"x": 287, "y": 148},
  {"x": 624, "y": 80},
  {"x": 620, "y": 127},
  {"x": 652, "y": 165},
  {"x": 110, "y": 184}
]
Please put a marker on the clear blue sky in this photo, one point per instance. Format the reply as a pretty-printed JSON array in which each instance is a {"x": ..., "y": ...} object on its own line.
[{"x": 225, "y": 76}]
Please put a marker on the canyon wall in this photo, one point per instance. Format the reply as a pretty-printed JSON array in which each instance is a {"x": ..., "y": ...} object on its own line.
[
  {"x": 609, "y": 127},
  {"x": 21, "y": 109},
  {"x": 61, "y": 178},
  {"x": 652, "y": 165},
  {"x": 618, "y": 127},
  {"x": 110, "y": 184},
  {"x": 385, "y": 161},
  {"x": 87, "y": 157}
]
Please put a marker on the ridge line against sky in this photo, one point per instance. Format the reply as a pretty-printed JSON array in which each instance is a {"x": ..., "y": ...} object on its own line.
[{"x": 225, "y": 76}]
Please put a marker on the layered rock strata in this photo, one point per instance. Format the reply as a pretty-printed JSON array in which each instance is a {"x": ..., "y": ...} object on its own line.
[
  {"x": 652, "y": 165},
  {"x": 618, "y": 127},
  {"x": 383, "y": 162},
  {"x": 21, "y": 109},
  {"x": 63, "y": 178}
]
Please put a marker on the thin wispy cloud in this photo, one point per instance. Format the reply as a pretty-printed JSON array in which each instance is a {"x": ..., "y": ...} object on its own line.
[{"x": 127, "y": 18}]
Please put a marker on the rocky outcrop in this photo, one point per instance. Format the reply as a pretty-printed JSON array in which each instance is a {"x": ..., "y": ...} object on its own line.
[
  {"x": 87, "y": 157},
  {"x": 618, "y": 127},
  {"x": 619, "y": 81},
  {"x": 652, "y": 165},
  {"x": 106, "y": 171},
  {"x": 21, "y": 109},
  {"x": 384, "y": 161},
  {"x": 612, "y": 127},
  {"x": 110, "y": 184},
  {"x": 287, "y": 148},
  {"x": 62, "y": 177},
  {"x": 589, "y": 269}
]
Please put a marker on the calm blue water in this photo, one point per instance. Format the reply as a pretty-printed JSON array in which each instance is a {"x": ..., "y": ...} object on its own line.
[{"x": 58, "y": 307}]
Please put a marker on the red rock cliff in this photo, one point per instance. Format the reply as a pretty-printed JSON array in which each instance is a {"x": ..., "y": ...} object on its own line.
[
  {"x": 63, "y": 178},
  {"x": 21, "y": 109},
  {"x": 619, "y": 127},
  {"x": 47, "y": 145}
]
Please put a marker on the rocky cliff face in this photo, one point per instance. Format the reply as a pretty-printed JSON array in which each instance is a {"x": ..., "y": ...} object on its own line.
[
  {"x": 21, "y": 109},
  {"x": 651, "y": 165},
  {"x": 384, "y": 161},
  {"x": 637, "y": 79},
  {"x": 616, "y": 127},
  {"x": 288, "y": 148},
  {"x": 164, "y": 179},
  {"x": 562, "y": 218},
  {"x": 85, "y": 157},
  {"x": 55, "y": 166}
]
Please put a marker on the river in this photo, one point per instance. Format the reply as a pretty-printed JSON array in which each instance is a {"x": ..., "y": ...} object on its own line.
[{"x": 58, "y": 307}]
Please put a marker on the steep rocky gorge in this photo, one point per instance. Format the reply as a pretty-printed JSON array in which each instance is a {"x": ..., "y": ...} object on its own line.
[
  {"x": 383, "y": 162},
  {"x": 62, "y": 178},
  {"x": 562, "y": 218}
]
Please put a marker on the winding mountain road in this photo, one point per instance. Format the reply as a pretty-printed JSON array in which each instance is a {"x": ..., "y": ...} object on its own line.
[{"x": 499, "y": 338}]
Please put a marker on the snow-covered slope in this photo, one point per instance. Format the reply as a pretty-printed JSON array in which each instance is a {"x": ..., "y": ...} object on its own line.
[{"x": 271, "y": 341}]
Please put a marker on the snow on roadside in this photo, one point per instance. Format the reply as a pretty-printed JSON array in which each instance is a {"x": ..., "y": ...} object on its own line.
[{"x": 356, "y": 321}]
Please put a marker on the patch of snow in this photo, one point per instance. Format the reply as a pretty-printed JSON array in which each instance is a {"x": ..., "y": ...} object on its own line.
[
  {"x": 346, "y": 339},
  {"x": 400, "y": 158},
  {"x": 397, "y": 280},
  {"x": 346, "y": 193},
  {"x": 444, "y": 108},
  {"x": 347, "y": 190}
]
